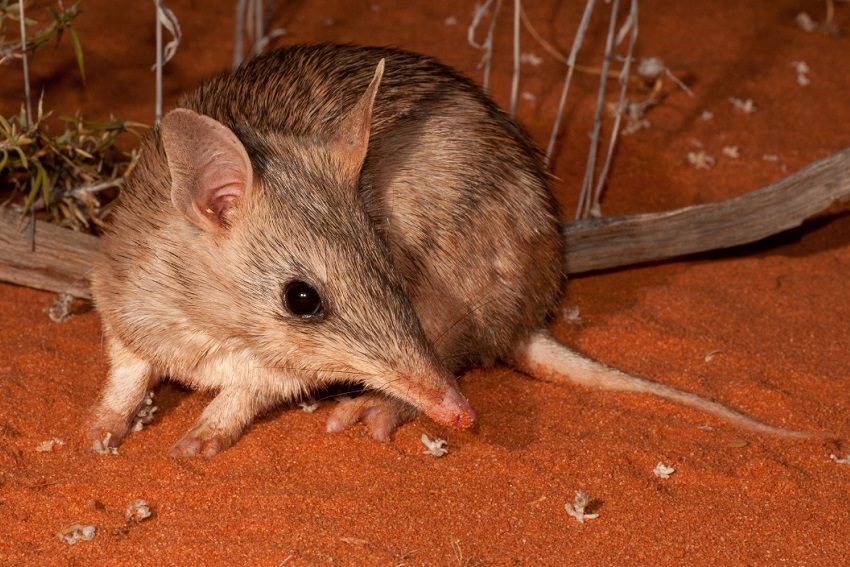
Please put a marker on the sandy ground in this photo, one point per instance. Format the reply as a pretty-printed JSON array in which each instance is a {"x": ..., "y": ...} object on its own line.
[{"x": 774, "y": 315}]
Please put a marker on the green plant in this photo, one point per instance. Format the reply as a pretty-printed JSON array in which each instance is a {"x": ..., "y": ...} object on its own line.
[
  {"x": 71, "y": 178},
  {"x": 62, "y": 18}
]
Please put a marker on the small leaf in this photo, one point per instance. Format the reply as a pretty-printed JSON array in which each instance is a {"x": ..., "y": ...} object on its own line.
[
  {"x": 45, "y": 183},
  {"x": 36, "y": 184},
  {"x": 78, "y": 52},
  {"x": 22, "y": 156},
  {"x": 84, "y": 153}
]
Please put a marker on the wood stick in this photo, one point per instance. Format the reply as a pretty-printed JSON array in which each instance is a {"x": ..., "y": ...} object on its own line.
[
  {"x": 632, "y": 22},
  {"x": 610, "y": 242},
  {"x": 578, "y": 40},
  {"x": 583, "y": 208},
  {"x": 62, "y": 258}
]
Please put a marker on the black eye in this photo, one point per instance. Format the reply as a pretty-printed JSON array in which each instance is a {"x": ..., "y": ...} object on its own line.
[{"x": 302, "y": 300}]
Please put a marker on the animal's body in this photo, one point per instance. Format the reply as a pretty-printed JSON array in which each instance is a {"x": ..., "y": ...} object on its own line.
[{"x": 327, "y": 213}]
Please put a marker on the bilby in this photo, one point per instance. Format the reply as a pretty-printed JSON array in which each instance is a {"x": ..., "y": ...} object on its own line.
[{"x": 328, "y": 213}]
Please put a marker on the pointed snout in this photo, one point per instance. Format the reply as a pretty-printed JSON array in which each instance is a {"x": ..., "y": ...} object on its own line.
[
  {"x": 426, "y": 385},
  {"x": 452, "y": 411}
]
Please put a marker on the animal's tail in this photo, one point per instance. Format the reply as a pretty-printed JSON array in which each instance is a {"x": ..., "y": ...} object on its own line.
[{"x": 545, "y": 358}]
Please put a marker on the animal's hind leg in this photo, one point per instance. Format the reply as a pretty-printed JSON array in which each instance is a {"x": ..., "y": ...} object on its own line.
[
  {"x": 129, "y": 380},
  {"x": 380, "y": 413}
]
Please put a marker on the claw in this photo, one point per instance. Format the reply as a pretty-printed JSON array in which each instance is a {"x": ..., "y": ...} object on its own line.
[
  {"x": 195, "y": 443},
  {"x": 108, "y": 432}
]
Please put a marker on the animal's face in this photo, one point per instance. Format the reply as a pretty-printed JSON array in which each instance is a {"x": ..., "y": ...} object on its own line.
[{"x": 319, "y": 289}]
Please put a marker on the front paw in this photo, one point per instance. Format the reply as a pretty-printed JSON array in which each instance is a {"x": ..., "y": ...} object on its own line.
[
  {"x": 200, "y": 442},
  {"x": 108, "y": 432},
  {"x": 379, "y": 413}
]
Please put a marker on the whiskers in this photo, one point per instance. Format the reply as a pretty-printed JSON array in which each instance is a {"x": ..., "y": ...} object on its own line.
[
  {"x": 307, "y": 371},
  {"x": 312, "y": 374},
  {"x": 333, "y": 393},
  {"x": 337, "y": 388}
]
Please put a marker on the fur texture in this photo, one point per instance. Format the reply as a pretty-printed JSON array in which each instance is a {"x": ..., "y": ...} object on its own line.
[
  {"x": 441, "y": 251},
  {"x": 388, "y": 183}
]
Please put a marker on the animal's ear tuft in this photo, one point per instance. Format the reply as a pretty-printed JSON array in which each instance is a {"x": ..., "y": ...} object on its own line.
[
  {"x": 210, "y": 171},
  {"x": 351, "y": 140}
]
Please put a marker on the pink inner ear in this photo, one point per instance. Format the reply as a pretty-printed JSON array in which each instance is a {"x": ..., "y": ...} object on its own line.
[
  {"x": 222, "y": 202},
  {"x": 221, "y": 187}
]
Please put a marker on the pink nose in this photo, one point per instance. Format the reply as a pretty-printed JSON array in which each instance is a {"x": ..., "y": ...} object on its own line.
[{"x": 453, "y": 411}]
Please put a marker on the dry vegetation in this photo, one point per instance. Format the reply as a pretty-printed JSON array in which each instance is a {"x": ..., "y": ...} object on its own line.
[{"x": 70, "y": 177}]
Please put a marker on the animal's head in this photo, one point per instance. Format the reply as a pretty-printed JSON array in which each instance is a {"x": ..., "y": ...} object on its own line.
[{"x": 283, "y": 232}]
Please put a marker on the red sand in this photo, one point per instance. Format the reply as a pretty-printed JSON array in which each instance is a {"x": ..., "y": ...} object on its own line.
[{"x": 776, "y": 315}]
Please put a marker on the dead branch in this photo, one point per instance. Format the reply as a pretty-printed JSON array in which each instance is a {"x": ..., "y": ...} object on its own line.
[
  {"x": 610, "y": 242},
  {"x": 59, "y": 259},
  {"x": 50, "y": 258}
]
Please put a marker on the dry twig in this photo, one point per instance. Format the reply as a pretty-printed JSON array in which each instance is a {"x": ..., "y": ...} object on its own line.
[
  {"x": 487, "y": 45},
  {"x": 25, "y": 61},
  {"x": 608, "y": 242},
  {"x": 571, "y": 62},
  {"x": 583, "y": 208},
  {"x": 165, "y": 18},
  {"x": 632, "y": 26}
]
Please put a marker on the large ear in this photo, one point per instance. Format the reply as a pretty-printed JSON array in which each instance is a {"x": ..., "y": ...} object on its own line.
[
  {"x": 351, "y": 141},
  {"x": 210, "y": 171}
]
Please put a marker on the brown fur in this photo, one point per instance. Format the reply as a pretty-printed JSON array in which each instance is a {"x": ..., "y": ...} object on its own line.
[{"x": 443, "y": 252}]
